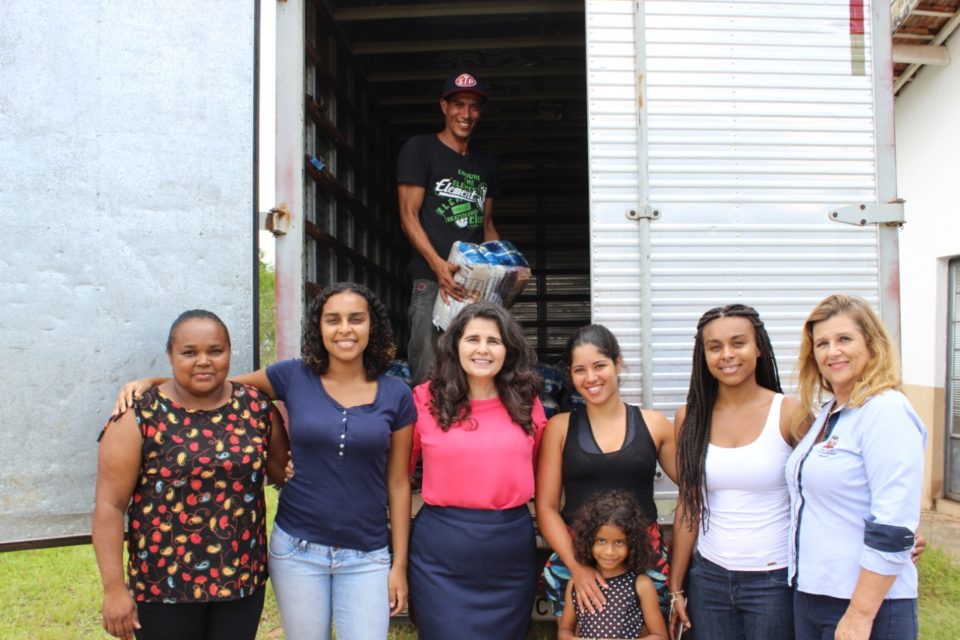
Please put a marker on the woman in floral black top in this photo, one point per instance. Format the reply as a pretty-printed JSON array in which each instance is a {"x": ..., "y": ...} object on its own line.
[{"x": 187, "y": 466}]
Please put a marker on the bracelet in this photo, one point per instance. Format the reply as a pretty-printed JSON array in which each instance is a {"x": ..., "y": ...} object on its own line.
[{"x": 674, "y": 594}]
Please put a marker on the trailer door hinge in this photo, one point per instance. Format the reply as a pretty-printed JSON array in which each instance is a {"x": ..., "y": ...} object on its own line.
[
  {"x": 871, "y": 213},
  {"x": 645, "y": 212}
]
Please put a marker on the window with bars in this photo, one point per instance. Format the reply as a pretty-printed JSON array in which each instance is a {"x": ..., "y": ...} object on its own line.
[{"x": 952, "y": 477}]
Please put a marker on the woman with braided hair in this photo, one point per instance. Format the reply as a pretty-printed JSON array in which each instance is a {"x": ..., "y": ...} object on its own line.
[{"x": 732, "y": 522}]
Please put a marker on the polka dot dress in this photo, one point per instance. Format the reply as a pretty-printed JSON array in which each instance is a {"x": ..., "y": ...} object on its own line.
[{"x": 620, "y": 618}]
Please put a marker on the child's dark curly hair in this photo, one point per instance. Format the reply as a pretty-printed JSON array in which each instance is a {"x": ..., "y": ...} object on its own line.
[
  {"x": 622, "y": 510},
  {"x": 380, "y": 348}
]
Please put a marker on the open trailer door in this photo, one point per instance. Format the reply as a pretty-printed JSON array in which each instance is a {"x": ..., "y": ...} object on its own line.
[{"x": 127, "y": 182}]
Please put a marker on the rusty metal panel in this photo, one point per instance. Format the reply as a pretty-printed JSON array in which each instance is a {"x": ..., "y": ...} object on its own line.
[{"x": 127, "y": 189}]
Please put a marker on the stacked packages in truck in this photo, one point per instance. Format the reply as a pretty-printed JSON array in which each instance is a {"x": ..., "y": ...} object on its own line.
[{"x": 495, "y": 271}]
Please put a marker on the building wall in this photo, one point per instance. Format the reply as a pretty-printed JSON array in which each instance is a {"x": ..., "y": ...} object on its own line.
[{"x": 928, "y": 155}]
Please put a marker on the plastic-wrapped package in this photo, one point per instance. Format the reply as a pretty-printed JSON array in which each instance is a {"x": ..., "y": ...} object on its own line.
[{"x": 494, "y": 271}]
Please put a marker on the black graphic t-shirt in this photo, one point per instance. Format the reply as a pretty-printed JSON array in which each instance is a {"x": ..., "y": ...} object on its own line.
[{"x": 456, "y": 188}]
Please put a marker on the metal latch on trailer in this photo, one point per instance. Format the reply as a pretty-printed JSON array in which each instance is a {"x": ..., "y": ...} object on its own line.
[
  {"x": 277, "y": 221},
  {"x": 860, "y": 215},
  {"x": 646, "y": 212}
]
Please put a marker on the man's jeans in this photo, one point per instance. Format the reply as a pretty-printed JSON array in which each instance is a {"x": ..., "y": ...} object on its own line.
[{"x": 422, "y": 346}]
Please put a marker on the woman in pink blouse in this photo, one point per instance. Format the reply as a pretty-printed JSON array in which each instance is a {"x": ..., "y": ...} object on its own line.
[{"x": 472, "y": 549}]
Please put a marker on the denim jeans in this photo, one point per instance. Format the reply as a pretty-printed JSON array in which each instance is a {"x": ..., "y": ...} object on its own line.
[
  {"x": 739, "y": 605},
  {"x": 422, "y": 345},
  {"x": 817, "y": 617},
  {"x": 315, "y": 583}
]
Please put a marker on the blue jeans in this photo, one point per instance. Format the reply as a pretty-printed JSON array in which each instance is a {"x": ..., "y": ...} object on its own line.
[
  {"x": 315, "y": 583},
  {"x": 422, "y": 345},
  {"x": 817, "y": 617},
  {"x": 739, "y": 605}
]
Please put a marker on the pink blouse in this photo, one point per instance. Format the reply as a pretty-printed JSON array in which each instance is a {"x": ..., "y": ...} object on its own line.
[{"x": 487, "y": 466}]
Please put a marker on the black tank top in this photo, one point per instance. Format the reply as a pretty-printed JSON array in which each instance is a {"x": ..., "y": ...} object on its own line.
[{"x": 586, "y": 472}]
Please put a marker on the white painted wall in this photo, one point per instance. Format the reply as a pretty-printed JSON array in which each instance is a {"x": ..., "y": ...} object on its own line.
[
  {"x": 126, "y": 193},
  {"x": 928, "y": 175}
]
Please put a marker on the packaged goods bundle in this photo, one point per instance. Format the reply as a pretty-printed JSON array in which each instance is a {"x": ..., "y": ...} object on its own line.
[{"x": 493, "y": 271}]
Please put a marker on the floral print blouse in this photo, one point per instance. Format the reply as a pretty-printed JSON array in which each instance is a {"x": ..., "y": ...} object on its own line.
[{"x": 197, "y": 517}]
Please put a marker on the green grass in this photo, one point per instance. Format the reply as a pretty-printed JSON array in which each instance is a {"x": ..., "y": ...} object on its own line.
[
  {"x": 54, "y": 594},
  {"x": 939, "y": 595}
]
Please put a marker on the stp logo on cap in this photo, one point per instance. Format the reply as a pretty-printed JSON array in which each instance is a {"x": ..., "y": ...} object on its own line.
[{"x": 465, "y": 80}]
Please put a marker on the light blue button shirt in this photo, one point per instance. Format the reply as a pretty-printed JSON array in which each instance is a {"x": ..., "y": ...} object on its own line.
[{"x": 855, "y": 498}]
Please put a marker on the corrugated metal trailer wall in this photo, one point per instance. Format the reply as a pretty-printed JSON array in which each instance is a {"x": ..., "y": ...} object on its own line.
[
  {"x": 128, "y": 188},
  {"x": 718, "y": 147}
]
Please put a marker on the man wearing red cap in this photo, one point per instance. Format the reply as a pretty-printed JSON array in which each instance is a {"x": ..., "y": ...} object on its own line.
[{"x": 445, "y": 188}]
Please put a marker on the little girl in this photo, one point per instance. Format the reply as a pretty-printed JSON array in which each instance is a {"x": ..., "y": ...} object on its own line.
[{"x": 610, "y": 535}]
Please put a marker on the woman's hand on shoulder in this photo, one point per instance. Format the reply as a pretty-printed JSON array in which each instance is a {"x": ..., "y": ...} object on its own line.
[
  {"x": 129, "y": 393},
  {"x": 587, "y": 581},
  {"x": 120, "y": 613},
  {"x": 794, "y": 420}
]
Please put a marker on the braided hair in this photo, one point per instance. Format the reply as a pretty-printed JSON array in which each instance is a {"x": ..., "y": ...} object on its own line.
[{"x": 694, "y": 433}]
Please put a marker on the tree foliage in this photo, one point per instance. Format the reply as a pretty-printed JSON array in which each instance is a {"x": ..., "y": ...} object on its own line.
[{"x": 268, "y": 313}]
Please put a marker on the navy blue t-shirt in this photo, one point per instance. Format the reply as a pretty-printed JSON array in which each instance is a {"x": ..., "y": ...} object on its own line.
[{"x": 338, "y": 495}]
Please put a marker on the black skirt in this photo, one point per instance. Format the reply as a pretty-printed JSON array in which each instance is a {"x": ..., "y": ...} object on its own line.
[{"x": 473, "y": 573}]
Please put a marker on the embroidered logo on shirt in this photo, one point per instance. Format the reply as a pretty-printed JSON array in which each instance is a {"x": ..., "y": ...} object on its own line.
[{"x": 829, "y": 447}]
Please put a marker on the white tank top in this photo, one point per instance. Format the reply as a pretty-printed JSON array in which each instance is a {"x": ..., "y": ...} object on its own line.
[{"x": 749, "y": 525}]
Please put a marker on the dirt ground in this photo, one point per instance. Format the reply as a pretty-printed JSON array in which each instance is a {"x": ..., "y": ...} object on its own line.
[{"x": 942, "y": 531}]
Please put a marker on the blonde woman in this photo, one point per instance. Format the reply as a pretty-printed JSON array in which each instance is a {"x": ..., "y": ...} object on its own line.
[{"x": 854, "y": 481}]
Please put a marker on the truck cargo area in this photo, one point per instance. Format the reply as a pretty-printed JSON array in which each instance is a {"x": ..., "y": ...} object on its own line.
[{"x": 374, "y": 71}]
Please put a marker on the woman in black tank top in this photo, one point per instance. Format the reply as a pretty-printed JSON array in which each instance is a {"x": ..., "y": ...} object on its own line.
[{"x": 604, "y": 445}]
